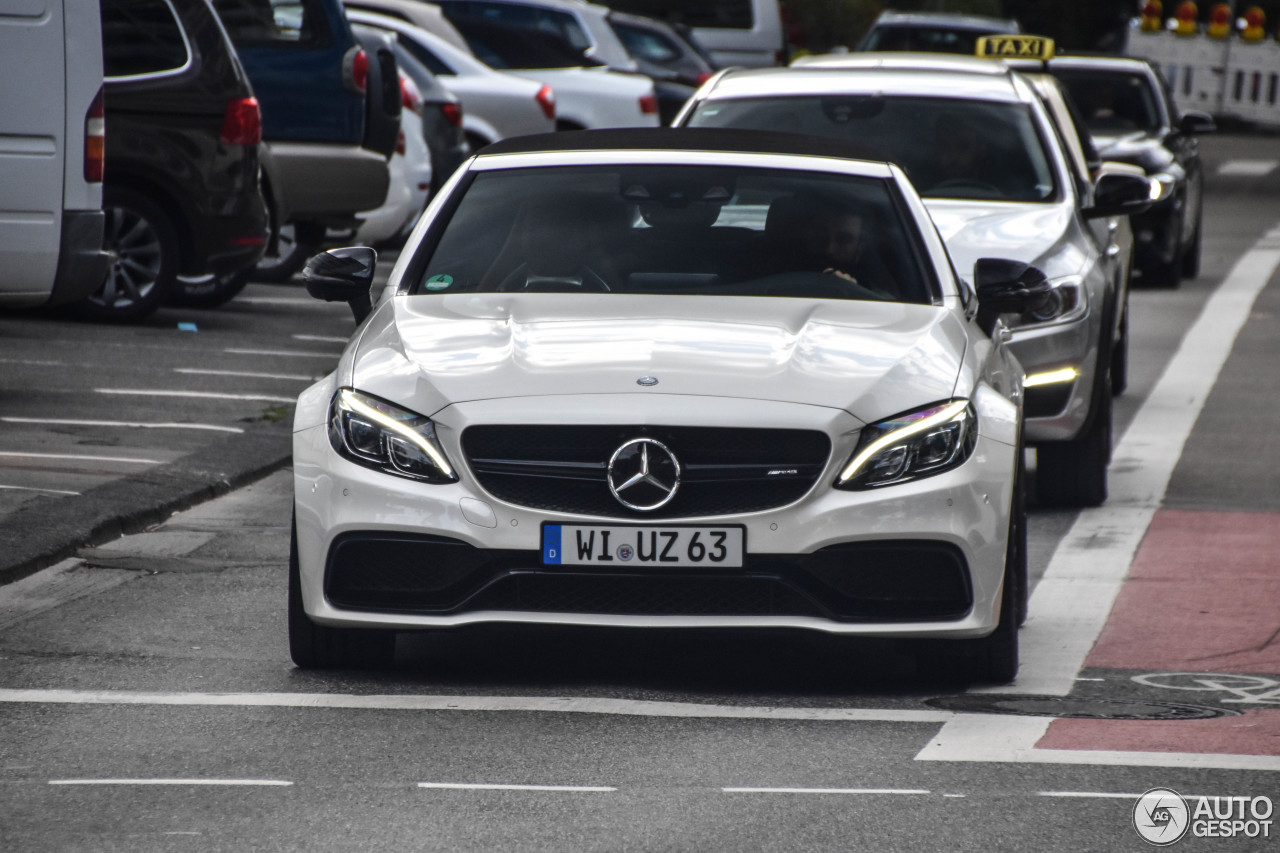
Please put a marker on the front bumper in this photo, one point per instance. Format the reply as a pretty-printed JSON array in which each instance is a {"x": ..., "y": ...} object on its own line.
[
  {"x": 1058, "y": 411},
  {"x": 919, "y": 559}
]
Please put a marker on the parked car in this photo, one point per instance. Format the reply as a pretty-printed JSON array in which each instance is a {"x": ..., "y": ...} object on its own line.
[
  {"x": 495, "y": 104},
  {"x": 655, "y": 404},
  {"x": 585, "y": 97},
  {"x": 945, "y": 32},
  {"x": 443, "y": 118},
  {"x": 734, "y": 32},
  {"x": 668, "y": 55},
  {"x": 410, "y": 165},
  {"x": 427, "y": 16},
  {"x": 1133, "y": 119},
  {"x": 51, "y": 218},
  {"x": 987, "y": 156},
  {"x": 583, "y": 25},
  {"x": 181, "y": 190},
  {"x": 330, "y": 117}
]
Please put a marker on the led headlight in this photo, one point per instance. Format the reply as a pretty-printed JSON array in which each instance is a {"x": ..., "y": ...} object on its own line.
[
  {"x": 1162, "y": 186},
  {"x": 908, "y": 447},
  {"x": 1068, "y": 300},
  {"x": 377, "y": 434}
]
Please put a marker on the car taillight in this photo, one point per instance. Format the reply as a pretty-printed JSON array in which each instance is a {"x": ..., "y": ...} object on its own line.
[
  {"x": 452, "y": 113},
  {"x": 410, "y": 96},
  {"x": 401, "y": 143},
  {"x": 546, "y": 99},
  {"x": 242, "y": 123},
  {"x": 704, "y": 77},
  {"x": 355, "y": 69},
  {"x": 648, "y": 104},
  {"x": 95, "y": 150}
]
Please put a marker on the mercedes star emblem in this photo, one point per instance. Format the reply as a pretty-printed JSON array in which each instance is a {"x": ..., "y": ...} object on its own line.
[{"x": 643, "y": 474}]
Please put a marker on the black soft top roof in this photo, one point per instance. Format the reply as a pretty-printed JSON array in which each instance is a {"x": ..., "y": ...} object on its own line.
[{"x": 677, "y": 139}]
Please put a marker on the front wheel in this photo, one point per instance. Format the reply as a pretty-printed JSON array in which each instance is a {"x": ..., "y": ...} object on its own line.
[
  {"x": 315, "y": 646},
  {"x": 1074, "y": 473}
]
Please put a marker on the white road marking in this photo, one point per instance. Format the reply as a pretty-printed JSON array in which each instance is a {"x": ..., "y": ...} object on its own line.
[
  {"x": 325, "y": 339},
  {"x": 256, "y": 783},
  {"x": 459, "y": 786},
  {"x": 1248, "y": 168},
  {"x": 1088, "y": 795},
  {"x": 41, "y": 491},
  {"x": 909, "y": 791},
  {"x": 621, "y": 707},
  {"x": 201, "y": 395},
  {"x": 13, "y": 454},
  {"x": 33, "y": 362},
  {"x": 1072, "y": 601},
  {"x": 282, "y": 353},
  {"x": 199, "y": 371},
  {"x": 122, "y": 424}
]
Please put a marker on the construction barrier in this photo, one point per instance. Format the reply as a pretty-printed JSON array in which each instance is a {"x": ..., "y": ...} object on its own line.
[{"x": 1230, "y": 77}]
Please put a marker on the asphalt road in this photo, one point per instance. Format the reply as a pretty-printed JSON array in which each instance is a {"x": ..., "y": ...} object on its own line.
[{"x": 147, "y": 701}]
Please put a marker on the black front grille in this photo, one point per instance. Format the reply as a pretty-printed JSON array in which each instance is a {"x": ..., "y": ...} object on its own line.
[
  {"x": 723, "y": 470},
  {"x": 856, "y": 582}
]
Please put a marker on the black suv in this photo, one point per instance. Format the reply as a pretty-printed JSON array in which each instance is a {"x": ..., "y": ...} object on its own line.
[{"x": 181, "y": 190}]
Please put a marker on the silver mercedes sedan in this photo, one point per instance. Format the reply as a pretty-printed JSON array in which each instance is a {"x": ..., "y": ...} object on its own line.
[
  {"x": 996, "y": 171},
  {"x": 666, "y": 379}
]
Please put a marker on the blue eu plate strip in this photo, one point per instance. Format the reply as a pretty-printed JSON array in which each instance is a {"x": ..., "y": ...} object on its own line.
[{"x": 551, "y": 545}]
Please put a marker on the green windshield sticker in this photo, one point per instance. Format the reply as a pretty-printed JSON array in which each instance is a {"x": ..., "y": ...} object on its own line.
[{"x": 439, "y": 282}]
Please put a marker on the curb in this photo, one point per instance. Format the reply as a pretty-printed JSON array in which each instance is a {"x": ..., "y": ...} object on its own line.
[{"x": 37, "y": 536}]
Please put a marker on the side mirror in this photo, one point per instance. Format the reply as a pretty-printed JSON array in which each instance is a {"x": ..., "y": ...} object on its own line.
[
  {"x": 1007, "y": 287},
  {"x": 343, "y": 275},
  {"x": 1194, "y": 121},
  {"x": 1120, "y": 193}
]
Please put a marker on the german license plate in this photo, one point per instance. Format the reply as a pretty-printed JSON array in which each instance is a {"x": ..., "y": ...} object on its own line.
[{"x": 618, "y": 547}]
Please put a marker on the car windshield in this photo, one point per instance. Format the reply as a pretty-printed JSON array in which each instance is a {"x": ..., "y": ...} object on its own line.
[
  {"x": 950, "y": 147},
  {"x": 678, "y": 230},
  {"x": 1112, "y": 101},
  {"x": 932, "y": 39}
]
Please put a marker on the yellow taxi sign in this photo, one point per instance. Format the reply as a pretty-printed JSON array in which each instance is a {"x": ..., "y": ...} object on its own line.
[{"x": 1015, "y": 47}]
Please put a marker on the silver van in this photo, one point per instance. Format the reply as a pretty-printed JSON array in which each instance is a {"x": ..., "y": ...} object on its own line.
[
  {"x": 51, "y": 152},
  {"x": 734, "y": 32}
]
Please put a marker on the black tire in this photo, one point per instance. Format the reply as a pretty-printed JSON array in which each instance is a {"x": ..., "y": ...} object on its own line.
[
  {"x": 315, "y": 646},
  {"x": 1166, "y": 273},
  {"x": 1191, "y": 253},
  {"x": 295, "y": 243},
  {"x": 993, "y": 659},
  {"x": 208, "y": 291},
  {"x": 144, "y": 258},
  {"x": 1074, "y": 473},
  {"x": 1120, "y": 357}
]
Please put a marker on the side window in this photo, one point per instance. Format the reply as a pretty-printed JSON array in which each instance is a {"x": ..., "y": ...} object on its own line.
[
  {"x": 646, "y": 44},
  {"x": 268, "y": 21},
  {"x": 561, "y": 24},
  {"x": 428, "y": 58},
  {"x": 142, "y": 38}
]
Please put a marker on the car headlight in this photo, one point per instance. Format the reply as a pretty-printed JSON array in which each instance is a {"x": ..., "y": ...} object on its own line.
[
  {"x": 1162, "y": 186},
  {"x": 380, "y": 435},
  {"x": 1068, "y": 300},
  {"x": 908, "y": 447}
]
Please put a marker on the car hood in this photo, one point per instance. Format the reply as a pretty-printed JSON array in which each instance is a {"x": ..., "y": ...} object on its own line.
[
  {"x": 1040, "y": 234},
  {"x": 871, "y": 359}
]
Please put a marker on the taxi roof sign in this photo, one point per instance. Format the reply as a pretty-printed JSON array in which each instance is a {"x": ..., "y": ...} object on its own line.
[{"x": 1015, "y": 47}]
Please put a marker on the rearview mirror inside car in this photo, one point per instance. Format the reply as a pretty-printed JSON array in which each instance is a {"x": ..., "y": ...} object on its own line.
[{"x": 343, "y": 275}]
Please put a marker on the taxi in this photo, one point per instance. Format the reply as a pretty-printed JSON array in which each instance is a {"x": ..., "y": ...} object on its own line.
[{"x": 1001, "y": 174}]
